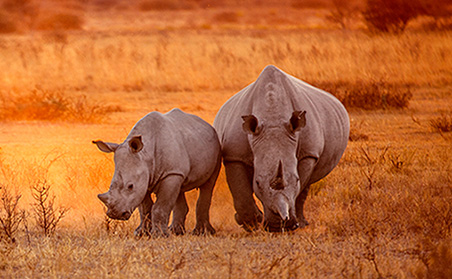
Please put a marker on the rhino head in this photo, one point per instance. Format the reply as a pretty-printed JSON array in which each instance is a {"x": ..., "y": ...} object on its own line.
[
  {"x": 130, "y": 180},
  {"x": 276, "y": 181}
]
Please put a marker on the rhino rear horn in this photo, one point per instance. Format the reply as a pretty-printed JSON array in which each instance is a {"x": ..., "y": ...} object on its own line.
[
  {"x": 136, "y": 144},
  {"x": 277, "y": 182}
]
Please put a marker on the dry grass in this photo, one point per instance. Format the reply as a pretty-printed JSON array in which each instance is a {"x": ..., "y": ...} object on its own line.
[
  {"x": 52, "y": 106},
  {"x": 384, "y": 212},
  {"x": 442, "y": 123},
  {"x": 178, "y": 61}
]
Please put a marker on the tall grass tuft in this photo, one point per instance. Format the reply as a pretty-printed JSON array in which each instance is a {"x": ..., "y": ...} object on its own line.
[
  {"x": 369, "y": 95},
  {"x": 442, "y": 123},
  {"x": 52, "y": 105},
  {"x": 47, "y": 215},
  {"x": 10, "y": 215}
]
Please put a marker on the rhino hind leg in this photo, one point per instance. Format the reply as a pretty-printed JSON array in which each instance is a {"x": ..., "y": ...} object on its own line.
[
  {"x": 203, "y": 225},
  {"x": 240, "y": 182},
  {"x": 305, "y": 169},
  {"x": 179, "y": 214}
]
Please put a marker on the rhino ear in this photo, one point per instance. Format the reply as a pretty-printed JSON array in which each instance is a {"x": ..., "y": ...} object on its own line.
[
  {"x": 136, "y": 144},
  {"x": 106, "y": 147},
  {"x": 297, "y": 121},
  {"x": 250, "y": 124}
]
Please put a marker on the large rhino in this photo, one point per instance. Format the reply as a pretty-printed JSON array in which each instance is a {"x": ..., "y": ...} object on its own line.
[
  {"x": 166, "y": 154},
  {"x": 278, "y": 136}
]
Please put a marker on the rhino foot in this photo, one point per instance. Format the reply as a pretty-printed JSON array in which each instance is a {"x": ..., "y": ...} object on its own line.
[
  {"x": 139, "y": 232},
  {"x": 205, "y": 229},
  {"x": 156, "y": 232},
  {"x": 303, "y": 223},
  {"x": 249, "y": 224},
  {"x": 177, "y": 230}
]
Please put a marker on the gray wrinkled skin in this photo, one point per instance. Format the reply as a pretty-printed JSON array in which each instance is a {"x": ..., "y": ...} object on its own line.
[
  {"x": 166, "y": 154},
  {"x": 278, "y": 136}
]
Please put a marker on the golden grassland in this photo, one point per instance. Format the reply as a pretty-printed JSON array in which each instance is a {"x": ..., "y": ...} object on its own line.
[{"x": 385, "y": 211}]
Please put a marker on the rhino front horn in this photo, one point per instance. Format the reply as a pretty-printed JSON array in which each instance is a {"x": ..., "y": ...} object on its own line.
[
  {"x": 103, "y": 198},
  {"x": 283, "y": 209}
]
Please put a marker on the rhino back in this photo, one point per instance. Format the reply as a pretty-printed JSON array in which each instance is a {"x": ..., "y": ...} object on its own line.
[
  {"x": 179, "y": 143},
  {"x": 200, "y": 142}
]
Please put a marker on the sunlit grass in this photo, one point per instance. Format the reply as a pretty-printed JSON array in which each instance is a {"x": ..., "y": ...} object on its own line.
[{"x": 385, "y": 211}]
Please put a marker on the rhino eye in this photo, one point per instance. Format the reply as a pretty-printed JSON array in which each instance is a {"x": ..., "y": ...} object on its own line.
[{"x": 130, "y": 186}]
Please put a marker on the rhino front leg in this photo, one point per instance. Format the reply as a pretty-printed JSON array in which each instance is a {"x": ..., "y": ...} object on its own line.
[
  {"x": 305, "y": 169},
  {"x": 167, "y": 193},
  {"x": 179, "y": 213},
  {"x": 203, "y": 225},
  {"x": 240, "y": 182},
  {"x": 145, "y": 209}
]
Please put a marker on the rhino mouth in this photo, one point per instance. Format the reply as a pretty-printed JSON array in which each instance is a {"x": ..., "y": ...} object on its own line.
[
  {"x": 281, "y": 226},
  {"x": 124, "y": 216}
]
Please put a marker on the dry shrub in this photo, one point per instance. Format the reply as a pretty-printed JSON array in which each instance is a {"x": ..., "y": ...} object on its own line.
[
  {"x": 390, "y": 15},
  {"x": 10, "y": 214},
  {"x": 60, "y": 21},
  {"x": 397, "y": 214},
  {"x": 342, "y": 13},
  {"x": 442, "y": 123},
  {"x": 47, "y": 215},
  {"x": 369, "y": 95},
  {"x": 50, "y": 105}
]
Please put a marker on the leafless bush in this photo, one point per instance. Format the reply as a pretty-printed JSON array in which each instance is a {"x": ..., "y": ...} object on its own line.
[
  {"x": 342, "y": 13},
  {"x": 369, "y": 95},
  {"x": 372, "y": 161},
  {"x": 442, "y": 123},
  {"x": 47, "y": 215},
  {"x": 10, "y": 215},
  {"x": 52, "y": 105},
  {"x": 390, "y": 15}
]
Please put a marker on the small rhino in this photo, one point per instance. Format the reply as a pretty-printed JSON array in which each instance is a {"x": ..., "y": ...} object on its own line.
[{"x": 166, "y": 154}]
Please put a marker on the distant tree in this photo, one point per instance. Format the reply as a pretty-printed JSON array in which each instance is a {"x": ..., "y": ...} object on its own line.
[
  {"x": 439, "y": 10},
  {"x": 391, "y": 15},
  {"x": 342, "y": 12}
]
